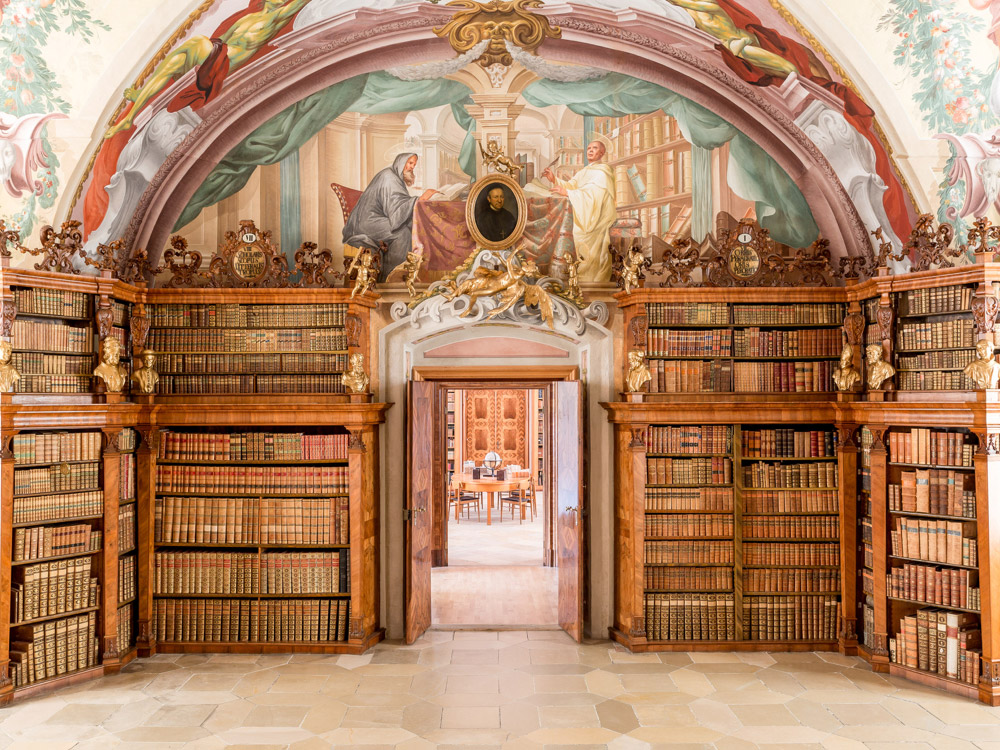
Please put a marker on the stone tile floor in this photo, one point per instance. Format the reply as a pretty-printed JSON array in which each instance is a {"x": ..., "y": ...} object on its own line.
[{"x": 512, "y": 690}]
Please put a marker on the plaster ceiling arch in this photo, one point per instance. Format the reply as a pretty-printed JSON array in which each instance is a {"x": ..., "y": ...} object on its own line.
[{"x": 316, "y": 57}]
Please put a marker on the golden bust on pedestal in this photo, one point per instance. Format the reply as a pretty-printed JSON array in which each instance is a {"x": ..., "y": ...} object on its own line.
[
  {"x": 846, "y": 375},
  {"x": 878, "y": 369},
  {"x": 8, "y": 373},
  {"x": 146, "y": 377},
  {"x": 638, "y": 372},
  {"x": 110, "y": 371},
  {"x": 985, "y": 371},
  {"x": 355, "y": 379}
]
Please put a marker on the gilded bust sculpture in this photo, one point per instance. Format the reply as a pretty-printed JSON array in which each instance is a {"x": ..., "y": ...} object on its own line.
[
  {"x": 8, "y": 373},
  {"x": 146, "y": 377},
  {"x": 985, "y": 371},
  {"x": 638, "y": 372},
  {"x": 878, "y": 369},
  {"x": 355, "y": 379},
  {"x": 846, "y": 375},
  {"x": 109, "y": 370}
]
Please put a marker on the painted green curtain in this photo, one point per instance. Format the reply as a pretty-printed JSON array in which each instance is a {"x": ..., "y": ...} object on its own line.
[
  {"x": 286, "y": 132},
  {"x": 753, "y": 174}
]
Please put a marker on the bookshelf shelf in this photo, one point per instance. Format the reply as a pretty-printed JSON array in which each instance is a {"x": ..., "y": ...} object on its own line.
[
  {"x": 54, "y": 463},
  {"x": 66, "y": 678},
  {"x": 932, "y": 466},
  {"x": 789, "y": 489},
  {"x": 792, "y": 567},
  {"x": 59, "y": 492},
  {"x": 60, "y": 616},
  {"x": 258, "y": 495},
  {"x": 325, "y": 595},
  {"x": 790, "y": 593},
  {"x": 931, "y": 604},
  {"x": 940, "y": 516},
  {"x": 936, "y": 349},
  {"x": 67, "y": 556},
  {"x": 65, "y": 352},
  {"x": 934, "y": 562},
  {"x": 49, "y": 522},
  {"x": 251, "y": 545},
  {"x": 791, "y": 459}
]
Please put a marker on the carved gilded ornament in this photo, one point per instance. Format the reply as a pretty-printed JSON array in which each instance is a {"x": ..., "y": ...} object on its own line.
[
  {"x": 508, "y": 285},
  {"x": 364, "y": 265},
  {"x": 411, "y": 267},
  {"x": 846, "y": 376},
  {"x": 145, "y": 376},
  {"x": 499, "y": 21}
]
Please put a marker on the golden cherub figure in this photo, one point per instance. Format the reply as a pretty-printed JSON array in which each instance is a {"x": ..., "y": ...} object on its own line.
[
  {"x": 634, "y": 261},
  {"x": 508, "y": 285},
  {"x": 985, "y": 371},
  {"x": 846, "y": 375},
  {"x": 356, "y": 379},
  {"x": 878, "y": 369},
  {"x": 638, "y": 372},
  {"x": 365, "y": 280},
  {"x": 146, "y": 377},
  {"x": 493, "y": 157},
  {"x": 573, "y": 275},
  {"x": 8, "y": 373},
  {"x": 110, "y": 370},
  {"x": 412, "y": 265}
]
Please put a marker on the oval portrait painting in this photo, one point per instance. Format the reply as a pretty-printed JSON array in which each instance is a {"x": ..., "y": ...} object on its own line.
[{"x": 495, "y": 212}]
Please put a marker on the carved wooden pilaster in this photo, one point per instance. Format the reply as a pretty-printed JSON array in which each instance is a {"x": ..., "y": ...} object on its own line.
[
  {"x": 8, "y": 312},
  {"x": 356, "y": 441},
  {"x": 139, "y": 327},
  {"x": 985, "y": 307},
  {"x": 884, "y": 315},
  {"x": 352, "y": 330},
  {"x": 638, "y": 433},
  {"x": 638, "y": 327},
  {"x": 854, "y": 328},
  {"x": 105, "y": 318}
]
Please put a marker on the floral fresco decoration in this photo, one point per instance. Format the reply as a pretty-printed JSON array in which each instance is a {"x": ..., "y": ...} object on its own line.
[{"x": 30, "y": 98}]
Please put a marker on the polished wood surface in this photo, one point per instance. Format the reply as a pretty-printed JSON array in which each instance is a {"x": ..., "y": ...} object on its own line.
[
  {"x": 491, "y": 488},
  {"x": 420, "y": 492},
  {"x": 567, "y": 486}
]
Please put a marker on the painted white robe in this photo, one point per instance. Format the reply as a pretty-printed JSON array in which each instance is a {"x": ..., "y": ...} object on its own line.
[{"x": 591, "y": 192}]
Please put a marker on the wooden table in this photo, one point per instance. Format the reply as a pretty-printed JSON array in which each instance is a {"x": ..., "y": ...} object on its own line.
[{"x": 490, "y": 487}]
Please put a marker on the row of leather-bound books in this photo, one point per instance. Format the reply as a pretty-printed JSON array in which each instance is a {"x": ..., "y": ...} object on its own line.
[
  {"x": 948, "y": 587},
  {"x": 783, "y": 377},
  {"x": 32, "y": 364},
  {"x": 126, "y": 477},
  {"x": 788, "y": 442},
  {"x": 52, "y": 588},
  {"x": 33, "y": 542},
  {"x": 940, "y": 334},
  {"x": 126, "y": 629},
  {"x": 197, "y": 384},
  {"x": 200, "y": 520},
  {"x": 936, "y": 491},
  {"x": 251, "y": 621},
  {"x": 743, "y": 342},
  {"x": 57, "y": 478},
  {"x": 126, "y": 578},
  {"x": 251, "y": 446},
  {"x": 700, "y": 524},
  {"x": 933, "y": 540},
  {"x": 245, "y": 573},
  {"x": 812, "y": 475},
  {"x": 921, "y": 445},
  {"x": 689, "y": 439},
  {"x": 58, "y": 507},
  {"x": 805, "y": 527},
  {"x": 956, "y": 360},
  {"x": 246, "y": 315},
  {"x": 791, "y": 618},
  {"x": 663, "y": 499},
  {"x": 711, "y": 470},
  {"x": 46, "y": 336},
  {"x": 688, "y": 552},
  {"x": 939, "y": 299},
  {"x": 126, "y": 528},
  {"x": 55, "y": 302},
  {"x": 225, "y": 364},
  {"x": 281, "y": 480},
  {"x": 687, "y": 313},
  {"x": 781, "y": 501},
  {"x": 49, "y": 649},
  {"x": 246, "y": 341},
  {"x": 688, "y": 579},
  {"x": 935, "y": 381},
  {"x": 690, "y": 617},
  {"x": 717, "y": 313},
  {"x": 791, "y": 553},
  {"x": 54, "y": 384},
  {"x": 779, "y": 580},
  {"x": 940, "y": 642},
  {"x": 51, "y": 447},
  {"x": 713, "y": 376}
]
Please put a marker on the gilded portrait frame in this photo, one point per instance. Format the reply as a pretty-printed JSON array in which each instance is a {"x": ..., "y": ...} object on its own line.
[{"x": 486, "y": 183}]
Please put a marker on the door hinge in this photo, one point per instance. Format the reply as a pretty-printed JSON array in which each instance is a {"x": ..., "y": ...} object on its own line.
[{"x": 407, "y": 514}]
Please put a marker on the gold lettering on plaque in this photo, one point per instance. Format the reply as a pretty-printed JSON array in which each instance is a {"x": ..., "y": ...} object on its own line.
[
  {"x": 744, "y": 262},
  {"x": 249, "y": 263}
]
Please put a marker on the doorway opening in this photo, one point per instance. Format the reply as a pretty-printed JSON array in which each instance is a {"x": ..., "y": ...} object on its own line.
[
  {"x": 482, "y": 449},
  {"x": 497, "y": 537}
]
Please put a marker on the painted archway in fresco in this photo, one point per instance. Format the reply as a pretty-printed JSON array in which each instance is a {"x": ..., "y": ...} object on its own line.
[{"x": 215, "y": 94}]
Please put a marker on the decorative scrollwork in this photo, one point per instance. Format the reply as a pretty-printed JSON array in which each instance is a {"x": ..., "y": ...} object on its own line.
[
  {"x": 139, "y": 327},
  {"x": 137, "y": 268},
  {"x": 884, "y": 316},
  {"x": 8, "y": 311},
  {"x": 248, "y": 258},
  {"x": 680, "y": 260},
  {"x": 499, "y": 21},
  {"x": 930, "y": 245},
  {"x": 854, "y": 328},
  {"x": 855, "y": 267},
  {"x": 108, "y": 256},
  {"x": 182, "y": 263},
  {"x": 984, "y": 312},
  {"x": 316, "y": 267},
  {"x": 983, "y": 238},
  {"x": 59, "y": 249},
  {"x": 638, "y": 327},
  {"x": 9, "y": 237},
  {"x": 105, "y": 318},
  {"x": 885, "y": 253}
]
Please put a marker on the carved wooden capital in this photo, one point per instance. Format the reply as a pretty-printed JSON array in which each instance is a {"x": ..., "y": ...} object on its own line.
[
  {"x": 848, "y": 434},
  {"x": 638, "y": 436},
  {"x": 139, "y": 327},
  {"x": 145, "y": 632},
  {"x": 984, "y": 312},
  {"x": 352, "y": 329},
  {"x": 150, "y": 437},
  {"x": 111, "y": 441},
  {"x": 355, "y": 441},
  {"x": 6, "y": 454},
  {"x": 638, "y": 328},
  {"x": 854, "y": 328},
  {"x": 884, "y": 315},
  {"x": 880, "y": 436},
  {"x": 105, "y": 318},
  {"x": 8, "y": 311}
]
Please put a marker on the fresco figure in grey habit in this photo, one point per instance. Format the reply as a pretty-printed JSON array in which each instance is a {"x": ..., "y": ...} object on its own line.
[{"x": 385, "y": 213}]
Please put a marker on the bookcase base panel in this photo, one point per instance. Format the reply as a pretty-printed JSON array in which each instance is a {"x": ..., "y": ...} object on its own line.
[
  {"x": 642, "y": 645},
  {"x": 53, "y": 683},
  {"x": 299, "y": 647},
  {"x": 936, "y": 681}
]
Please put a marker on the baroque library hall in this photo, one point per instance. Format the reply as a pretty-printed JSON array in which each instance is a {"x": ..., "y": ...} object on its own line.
[{"x": 509, "y": 374}]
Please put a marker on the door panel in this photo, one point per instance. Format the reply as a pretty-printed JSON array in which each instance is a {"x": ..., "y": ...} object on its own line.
[
  {"x": 567, "y": 475},
  {"x": 420, "y": 488}
]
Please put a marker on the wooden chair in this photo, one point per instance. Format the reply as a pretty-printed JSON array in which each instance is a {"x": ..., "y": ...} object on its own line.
[
  {"x": 460, "y": 500},
  {"x": 520, "y": 499}
]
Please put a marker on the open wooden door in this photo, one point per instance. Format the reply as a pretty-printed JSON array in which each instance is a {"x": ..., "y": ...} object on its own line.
[
  {"x": 419, "y": 494},
  {"x": 566, "y": 474}
]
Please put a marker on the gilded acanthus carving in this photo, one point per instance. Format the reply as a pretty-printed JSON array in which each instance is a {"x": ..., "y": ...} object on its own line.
[
  {"x": 628, "y": 270},
  {"x": 507, "y": 286},
  {"x": 60, "y": 249},
  {"x": 984, "y": 312},
  {"x": 638, "y": 327},
  {"x": 499, "y": 22},
  {"x": 854, "y": 328}
]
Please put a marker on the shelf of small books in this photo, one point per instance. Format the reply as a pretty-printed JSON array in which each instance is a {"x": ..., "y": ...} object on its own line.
[
  {"x": 935, "y": 338},
  {"x": 752, "y": 348},
  {"x": 127, "y": 547},
  {"x": 56, "y": 508},
  {"x": 866, "y": 549},
  {"x": 252, "y": 540},
  {"x": 53, "y": 339},
  {"x": 932, "y": 570}
]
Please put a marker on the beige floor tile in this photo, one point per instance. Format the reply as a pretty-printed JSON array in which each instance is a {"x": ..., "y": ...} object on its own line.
[
  {"x": 560, "y": 684},
  {"x": 567, "y": 716},
  {"x": 764, "y": 716},
  {"x": 481, "y": 717},
  {"x": 473, "y": 684},
  {"x": 519, "y": 719},
  {"x": 87, "y": 714},
  {"x": 371, "y": 716},
  {"x": 655, "y": 714},
  {"x": 862, "y": 713},
  {"x": 617, "y": 716},
  {"x": 384, "y": 685},
  {"x": 474, "y": 656},
  {"x": 675, "y": 734}
]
